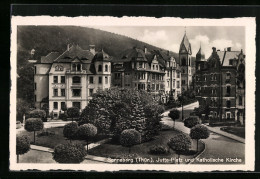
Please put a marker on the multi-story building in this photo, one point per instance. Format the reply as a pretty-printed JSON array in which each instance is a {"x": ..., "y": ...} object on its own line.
[
  {"x": 70, "y": 78},
  {"x": 154, "y": 71},
  {"x": 186, "y": 63},
  {"x": 220, "y": 83}
]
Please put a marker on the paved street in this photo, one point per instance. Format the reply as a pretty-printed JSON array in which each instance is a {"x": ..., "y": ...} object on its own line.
[{"x": 217, "y": 146}]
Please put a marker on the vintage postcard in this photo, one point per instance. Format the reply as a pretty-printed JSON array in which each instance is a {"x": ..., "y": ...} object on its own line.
[{"x": 132, "y": 93}]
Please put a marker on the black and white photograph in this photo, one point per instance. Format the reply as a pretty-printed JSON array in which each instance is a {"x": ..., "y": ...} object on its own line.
[{"x": 110, "y": 94}]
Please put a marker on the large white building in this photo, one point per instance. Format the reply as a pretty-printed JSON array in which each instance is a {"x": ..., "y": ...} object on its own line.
[{"x": 69, "y": 79}]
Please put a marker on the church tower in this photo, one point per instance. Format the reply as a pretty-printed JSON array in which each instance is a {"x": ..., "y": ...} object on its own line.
[{"x": 185, "y": 63}]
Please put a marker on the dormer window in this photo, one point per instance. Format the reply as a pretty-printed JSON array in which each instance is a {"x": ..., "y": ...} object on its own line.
[
  {"x": 106, "y": 68},
  {"x": 100, "y": 68},
  {"x": 78, "y": 67},
  {"x": 74, "y": 67}
]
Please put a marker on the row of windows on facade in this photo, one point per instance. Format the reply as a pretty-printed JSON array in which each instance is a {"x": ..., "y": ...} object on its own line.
[
  {"x": 77, "y": 79},
  {"x": 205, "y": 90},
  {"x": 173, "y": 84},
  {"x": 78, "y": 67},
  {"x": 173, "y": 74},
  {"x": 212, "y": 77},
  {"x": 63, "y": 105},
  {"x": 141, "y": 76},
  {"x": 75, "y": 92},
  {"x": 213, "y": 65}
]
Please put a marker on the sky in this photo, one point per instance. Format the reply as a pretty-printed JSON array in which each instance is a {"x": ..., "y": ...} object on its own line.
[{"x": 170, "y": 37}]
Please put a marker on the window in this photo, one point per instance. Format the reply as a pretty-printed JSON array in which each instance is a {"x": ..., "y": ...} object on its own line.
[
  {"x": 117, "y": 75},
  {"x": 211, "y": 77},
  {"x": 35, "y": 86},
  {"x": 189, "y": 61},
  {"x": 168, "y": 83},
  {"x": 140, "y": 64},
  {"x": 228, "y": 103},
  {"x": 76, "y": 92},
  {"x": 100, "y": 68},
  {"x": 55, "y": 92},
  {"x": 178, "y": 84},
  {"x": 74, "y": 67},
  {"x": 183, "y": 82},
  {"x": 157, "y": 87},
  {"x": 127, "y": 74},
  {"x": 183, "y": 70},
  {"x": 91, "y": 79},
  {"x": 173, "y": 84},
  {"x": 178, "y": 75},
  {"x": 240, "y": 100},
  {"x": 231, "y": 62},
  {"x": 228, "y": 115},
  {"x": 215, "y": 77},
  {"x": 78, "y": 67},
  {"x": 62, "y": 91},
  {"x": 228, "y": 90},
  {"x": 63, "y": 106},
  {"x": 228, "y": 76},
  {"x": 106, "y": 68},
  {"x": 106, "y": 79},
  {"x": 100, "y": 80},
  {"x": 183, "y": 62},
  {"x": 62, "y": 79},
  {"x": 35, "y": 69},
  {"x": 157, "y": 67},
  {"x": 153, "y": 67},
  {"x": 55, "y": 79},
  {"x": 90, "y": 92},
  {"x": 55, "y": 105},
  {"x": 76, "y": 79},
  {"x": 76, "y": 104}
]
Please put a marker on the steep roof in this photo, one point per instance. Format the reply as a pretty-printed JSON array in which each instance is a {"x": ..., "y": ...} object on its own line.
[
  {"x": 225, "y": 56},
  {"x": 200, "y": 54},
  {"x": 73, "y": 52},
  {"x": 134, "y": 53},
  {"x": 185, "y": 42},
  {"x": 50, "y": 57}
]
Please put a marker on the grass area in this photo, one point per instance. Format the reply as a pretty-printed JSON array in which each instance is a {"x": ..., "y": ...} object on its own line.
[
  {"x": 238, "y": 131},
  {"x": 52, "y": 140},
  {"x": 141, "y": 151}
]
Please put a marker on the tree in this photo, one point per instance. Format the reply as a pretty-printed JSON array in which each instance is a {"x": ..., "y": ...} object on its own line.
[
  {"x": 69, "y": 153},
  {"x": 199, "y": 132},
  {"x": 22, "y": 108},
  {"x": 130, "y": 137},
  {"x": 179, "y": 143},
  {"x": 37, "y": 113},
  {"x": 174, "y": 114},
  {"x": 191, "y": 121},
  {"x": 32, "y": 125},
  {"x": 73, "y": 112},
  {"x": 202, "y": 109},
  {"x": 86, "y": 132},
  {"x": 22, "y": 145},
  {"x": 70, "y": 130}
]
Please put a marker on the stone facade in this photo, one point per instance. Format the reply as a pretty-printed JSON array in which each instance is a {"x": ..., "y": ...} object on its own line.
[
  {"x": 69, "y": 79},
  {"x": 217, "y": 83}
]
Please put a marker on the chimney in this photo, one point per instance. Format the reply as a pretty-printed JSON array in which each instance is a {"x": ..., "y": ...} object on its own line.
[
  {"x": 229, "y": 49},
  {"x": 145, "y": 49},
  {"x": 92, "y": 49},
  {"x": 214, "y": 49},
  {"x": 168, "y": 52}
]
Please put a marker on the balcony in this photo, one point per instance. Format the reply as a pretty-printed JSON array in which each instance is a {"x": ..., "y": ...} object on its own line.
[{"x": 76, "y": 72}]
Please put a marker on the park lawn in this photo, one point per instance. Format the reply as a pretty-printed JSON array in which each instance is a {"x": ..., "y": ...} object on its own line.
[
  {"x": 238, "y": 131},
  {"x": 116, "y": 151},
  {"x": 53, "y": 140}
]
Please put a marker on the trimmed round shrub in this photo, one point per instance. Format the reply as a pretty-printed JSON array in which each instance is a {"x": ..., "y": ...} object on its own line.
[
  {"x": 191, "y": 121},
  {"x": 22, "y": 145},
  {"x": 199, "y": 132},
  {"x": 63, "y": 116},
  {"x": 130, "y": 137},
  {"x": 158, "y": 149},
  {"x": 33, "y": 124},
  {"x": 37, "y": 113},
  {"x": 70, "y": 130},
  {"x": 86, "y": 132},
  {"x": 69, "y": 153},
  {"x": 180, "y": 143},
  {"x": 174, "y": 114}
]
